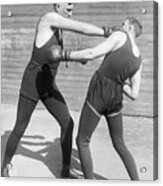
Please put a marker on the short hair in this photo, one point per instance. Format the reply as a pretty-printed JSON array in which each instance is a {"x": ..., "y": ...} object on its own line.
[{"x": 137, "y": 25}]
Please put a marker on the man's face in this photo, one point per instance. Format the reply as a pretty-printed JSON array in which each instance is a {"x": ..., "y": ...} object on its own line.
[
  {"x": 65, "y": 9},
  {"x": 126, "y": 25}
]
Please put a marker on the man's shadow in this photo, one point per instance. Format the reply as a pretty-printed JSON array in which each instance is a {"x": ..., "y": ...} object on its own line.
[{"x": 50, "y": 154}]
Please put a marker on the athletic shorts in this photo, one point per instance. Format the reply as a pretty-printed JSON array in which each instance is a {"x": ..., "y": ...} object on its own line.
[
  {"x": 104, "y": 95},
  {"x": 38, "y": 81}
]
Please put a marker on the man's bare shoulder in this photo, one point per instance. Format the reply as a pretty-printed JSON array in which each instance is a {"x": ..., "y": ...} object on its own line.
[
  {"x": 50, "y": 15},
  {"x": 117, "y": 39},
  {"x": 119, "y": 34}
]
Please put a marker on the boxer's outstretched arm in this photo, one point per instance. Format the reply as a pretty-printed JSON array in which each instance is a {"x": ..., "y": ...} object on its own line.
[
  {"x": 58, "y": 21},
  {"x": 111, "y": 43}
]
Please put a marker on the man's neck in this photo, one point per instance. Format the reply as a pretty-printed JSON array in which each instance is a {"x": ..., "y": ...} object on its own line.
[{"x": 132, "y": 37}]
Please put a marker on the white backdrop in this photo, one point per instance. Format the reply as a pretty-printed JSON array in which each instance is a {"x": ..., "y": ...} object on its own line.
[{"x": 42, "y": 182}]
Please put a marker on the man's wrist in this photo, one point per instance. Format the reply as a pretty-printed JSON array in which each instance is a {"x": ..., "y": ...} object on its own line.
[
  {"x": 67, "y": 54},
  {"x": 106, "y": 31}
]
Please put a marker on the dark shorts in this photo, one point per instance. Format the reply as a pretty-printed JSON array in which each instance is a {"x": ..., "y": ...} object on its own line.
[
  {"x": 38, "y": 81},
  {"x": 104, "y": 95}
]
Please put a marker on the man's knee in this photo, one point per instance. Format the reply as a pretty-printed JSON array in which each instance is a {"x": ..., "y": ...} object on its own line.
[
  {"x": 119, "y": 144},
  {"x": 67, "y": 124},
  {"x": 20, "y": 127},
  {"x": 82, "y": 141}
]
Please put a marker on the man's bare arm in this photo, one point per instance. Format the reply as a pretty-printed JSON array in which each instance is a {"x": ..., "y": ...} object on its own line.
[
  {"x": 132, "y": 90},
  {"x": 114, "y": 41},
  {"x": 57, "y": 21}
]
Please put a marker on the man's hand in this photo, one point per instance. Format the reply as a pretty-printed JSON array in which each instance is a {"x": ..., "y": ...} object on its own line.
[
  {"x": 109, "y": 30},
  {"x": 57, "y": 54}
]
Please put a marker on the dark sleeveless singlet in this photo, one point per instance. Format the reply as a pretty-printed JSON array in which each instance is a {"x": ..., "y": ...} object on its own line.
[
  {"x": 39, "y": 76},
  {"x": 39, "y": 55},
  {"x": 105, "y": 93},
  {"x": 120, "y": 64}
]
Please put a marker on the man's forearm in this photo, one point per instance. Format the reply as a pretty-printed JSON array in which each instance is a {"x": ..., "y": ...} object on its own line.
[
  {"x": 91, "y": 30},
  {"x": 86, "y": 54}
]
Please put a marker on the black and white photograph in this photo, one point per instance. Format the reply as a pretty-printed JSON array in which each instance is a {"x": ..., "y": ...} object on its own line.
[{"x": 79, "y": 90}]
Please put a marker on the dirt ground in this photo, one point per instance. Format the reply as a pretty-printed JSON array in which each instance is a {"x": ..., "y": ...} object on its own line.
[{"x": 39, "y": 153}]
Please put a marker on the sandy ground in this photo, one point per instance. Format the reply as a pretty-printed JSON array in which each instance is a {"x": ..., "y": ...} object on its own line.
[{"x": 39, "y": 153}]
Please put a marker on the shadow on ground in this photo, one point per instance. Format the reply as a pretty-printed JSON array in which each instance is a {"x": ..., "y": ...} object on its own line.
[{"x": 50, "y": 154}]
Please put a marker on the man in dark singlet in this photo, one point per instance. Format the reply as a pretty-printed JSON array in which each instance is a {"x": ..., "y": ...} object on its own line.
[
  {"x": 38, "y": 82},
  {"x": 121, "y": 64}
]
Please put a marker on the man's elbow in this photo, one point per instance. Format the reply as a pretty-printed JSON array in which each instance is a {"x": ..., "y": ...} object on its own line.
[{"x": 135, "y": 96}]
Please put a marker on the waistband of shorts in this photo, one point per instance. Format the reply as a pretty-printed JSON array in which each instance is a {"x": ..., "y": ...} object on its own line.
[{"x": 102, "y": 75}]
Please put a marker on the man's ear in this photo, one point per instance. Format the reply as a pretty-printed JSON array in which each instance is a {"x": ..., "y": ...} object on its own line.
[{"x": 131, "y": 28}]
